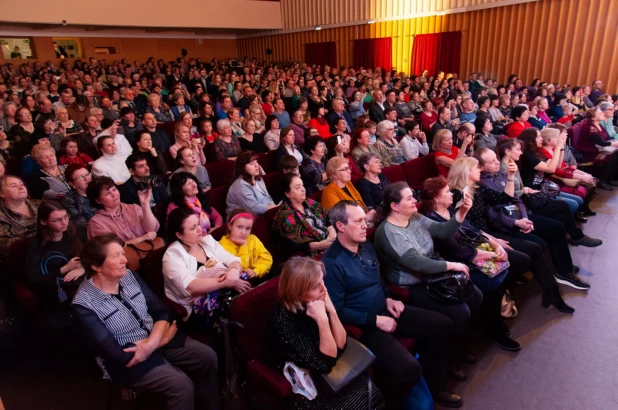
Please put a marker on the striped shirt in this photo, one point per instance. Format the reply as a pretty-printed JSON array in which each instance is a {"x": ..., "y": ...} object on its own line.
[{"x": 125, "y": 315}]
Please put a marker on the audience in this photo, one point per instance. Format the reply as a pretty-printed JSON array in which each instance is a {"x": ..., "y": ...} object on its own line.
[
  {"x": 18, "y": 214},
  {"x": 360, "y": 298},
  {"x": 196, "y": 271},
  {"x": 414, "y": 143},
  {"x": 76, "y": 200},
  {"x": 305, "y": 329},
  {"x": 111, "y": 163},
  {"x": 53, "y": 267},
  {"x": 372, "y": 185},
  {"x": 185, "y": 193},
  {"x": 226, "y": 144},
  {"x": 141, "y": 347},
  {"x": 49, "y": 182},
  {"x": 248, "y": 190},
  {"x": 255, "y": 259},
  {"x": 500, "y": 236},
  {"x": 505, "y": 217},
  {"x": 300, "y": 221},
  {"x": 486, "y": 259}
]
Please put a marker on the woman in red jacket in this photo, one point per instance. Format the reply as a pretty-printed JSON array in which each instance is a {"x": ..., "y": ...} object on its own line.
[{"x": 318, "y": 121}]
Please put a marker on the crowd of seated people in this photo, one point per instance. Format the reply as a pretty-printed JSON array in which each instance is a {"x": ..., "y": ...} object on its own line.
[{"x": 130, "y": 158}]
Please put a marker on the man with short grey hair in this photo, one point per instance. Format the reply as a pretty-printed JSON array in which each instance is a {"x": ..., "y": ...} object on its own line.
[{"x": 361, "y": 299}]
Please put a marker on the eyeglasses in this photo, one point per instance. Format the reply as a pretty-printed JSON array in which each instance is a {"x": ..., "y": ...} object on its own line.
[
  {"x": 83, "y": 177},
  {"x": 346, "y": 169},
  {"x": 58, "y": 220}
]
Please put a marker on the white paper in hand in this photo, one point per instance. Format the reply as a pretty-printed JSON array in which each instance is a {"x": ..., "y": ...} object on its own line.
[{"x": 460, "y": 203}]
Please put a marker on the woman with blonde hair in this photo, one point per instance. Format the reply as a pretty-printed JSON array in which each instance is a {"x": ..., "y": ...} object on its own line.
[
  {"x": 305, "y": 330},
  {"x": 505, "y": 217},
  {"x": 446, "y": 152}
]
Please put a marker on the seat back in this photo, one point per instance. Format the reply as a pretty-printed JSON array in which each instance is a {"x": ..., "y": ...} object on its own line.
[
  {"x": 218, "y": 199},
  {"x": 17, "y": 266},
  {"x": 170, "y": 128},
  {"x": 221, "y": 173},
  {"x": 264, "y": 162},
  {"x": 254, "y": 310},
  {"x": 271, "y": 180},
  {"x": 419, "y": 169},
  {"x": 152, "y": 273},
  {"x": 394, "y": 173}
]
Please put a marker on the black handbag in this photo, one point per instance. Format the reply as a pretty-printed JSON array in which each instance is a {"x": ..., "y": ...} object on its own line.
[
  {"x": 469, "y": 237},
  {"x": 354, "y": 360},
  {"x": 449, "y": 288},
  {"x": 549, "y": 191}
]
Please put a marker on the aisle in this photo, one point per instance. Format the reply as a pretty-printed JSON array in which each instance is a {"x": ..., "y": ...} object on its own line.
[{"x": 566, "y": 362}]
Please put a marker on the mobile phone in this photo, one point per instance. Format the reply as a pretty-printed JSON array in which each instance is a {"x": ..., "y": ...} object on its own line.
[{"x": 338, "y": 139}]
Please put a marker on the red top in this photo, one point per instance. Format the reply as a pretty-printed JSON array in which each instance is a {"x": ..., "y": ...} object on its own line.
[
  {"x": 566, "y": 120},
  {"x": 322, "y": 126},
  {"x": 268, "y": 109},
  {"x": 442, "y": 170},
  {"x": 427, "y": 120},
  {"x": 564, "y": 170},
  {"x": 81, "y": 159},
  {"x": 516, "y": 128}
]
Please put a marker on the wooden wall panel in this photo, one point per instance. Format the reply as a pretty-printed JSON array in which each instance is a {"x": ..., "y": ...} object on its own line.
[
  {"x": 167, "y": 49},
  {"x": 564, "y": 41},
  {"x": 310, "y": 13}
]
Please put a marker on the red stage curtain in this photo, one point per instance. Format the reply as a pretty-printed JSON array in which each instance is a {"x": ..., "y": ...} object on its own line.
[
  {"x": 434, "y": 52},
  {"x": 321, "y": 54},
  {"x": 374, "y": 52}
]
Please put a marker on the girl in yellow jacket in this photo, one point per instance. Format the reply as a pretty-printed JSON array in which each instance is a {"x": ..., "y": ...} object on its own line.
[{"x": 255, "y": 259}]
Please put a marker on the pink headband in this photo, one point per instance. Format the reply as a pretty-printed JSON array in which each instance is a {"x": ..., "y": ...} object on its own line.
[{"x": 242, "y": 215}]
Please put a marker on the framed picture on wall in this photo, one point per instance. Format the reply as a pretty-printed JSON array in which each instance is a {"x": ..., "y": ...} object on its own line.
[
  {"x": 67, "y": 47},
  {"x": 17, "y": 48}
]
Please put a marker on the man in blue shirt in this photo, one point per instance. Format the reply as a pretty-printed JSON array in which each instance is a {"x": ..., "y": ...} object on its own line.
[
  {"x": 282, "y": 115},
  {"x": 467, "y": 111},
  {"x": 361, "y": 298}
]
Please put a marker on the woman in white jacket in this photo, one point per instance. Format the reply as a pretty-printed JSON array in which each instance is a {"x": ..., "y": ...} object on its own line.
[{"x": 196, "y": 268}]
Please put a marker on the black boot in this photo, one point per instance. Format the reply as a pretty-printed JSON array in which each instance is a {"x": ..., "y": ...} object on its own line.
[
  {"x": 553, "y": 297},
  {"x": 586, "y": 211}
]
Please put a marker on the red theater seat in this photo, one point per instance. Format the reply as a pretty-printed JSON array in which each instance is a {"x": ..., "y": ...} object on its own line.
[
  {"x": 253, "y": 310},
  {"x": 394, "y": 173},
  {"x": 218, "y": 199},
  {"x": 17, "y": 264},
  {"x": 221, "y": 173},
  {"x": 419, "y": 169}
]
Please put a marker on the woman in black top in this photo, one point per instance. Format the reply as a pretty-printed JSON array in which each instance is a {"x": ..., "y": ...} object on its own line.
[
  {"x": 53, "y": 268},
  {"x": 487, "y": 215},
  {"x": 305, "y": 330},
  {"x": 251, "y": 140},
  {"x": 372, "y": 185},
  {"x": 130, "y": 127},
  {"x": 437, "y": 204}
]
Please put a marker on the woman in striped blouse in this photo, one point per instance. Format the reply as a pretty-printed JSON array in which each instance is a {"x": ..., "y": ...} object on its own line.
[{"x": 132, "y": 333}]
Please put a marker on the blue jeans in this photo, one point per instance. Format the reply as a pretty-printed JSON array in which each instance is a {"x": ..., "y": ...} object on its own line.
[{"x": 573, "y": 201}]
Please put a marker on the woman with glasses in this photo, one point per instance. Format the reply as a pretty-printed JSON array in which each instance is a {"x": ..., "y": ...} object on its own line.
[
  {"x": 76, "y": 200},
  {"x": 387, "y": 144},
  {"x": 341, "y": 187},
  {"x": 53, "y": 269}
]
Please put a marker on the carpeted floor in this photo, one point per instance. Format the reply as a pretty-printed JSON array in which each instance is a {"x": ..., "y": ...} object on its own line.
[{"x": 566, "y": 362}]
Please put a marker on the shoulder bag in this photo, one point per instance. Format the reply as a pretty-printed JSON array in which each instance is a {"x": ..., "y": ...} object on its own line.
[
  {"x": 354, "y": 360},
  {"x": 449, "y": 288}
]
